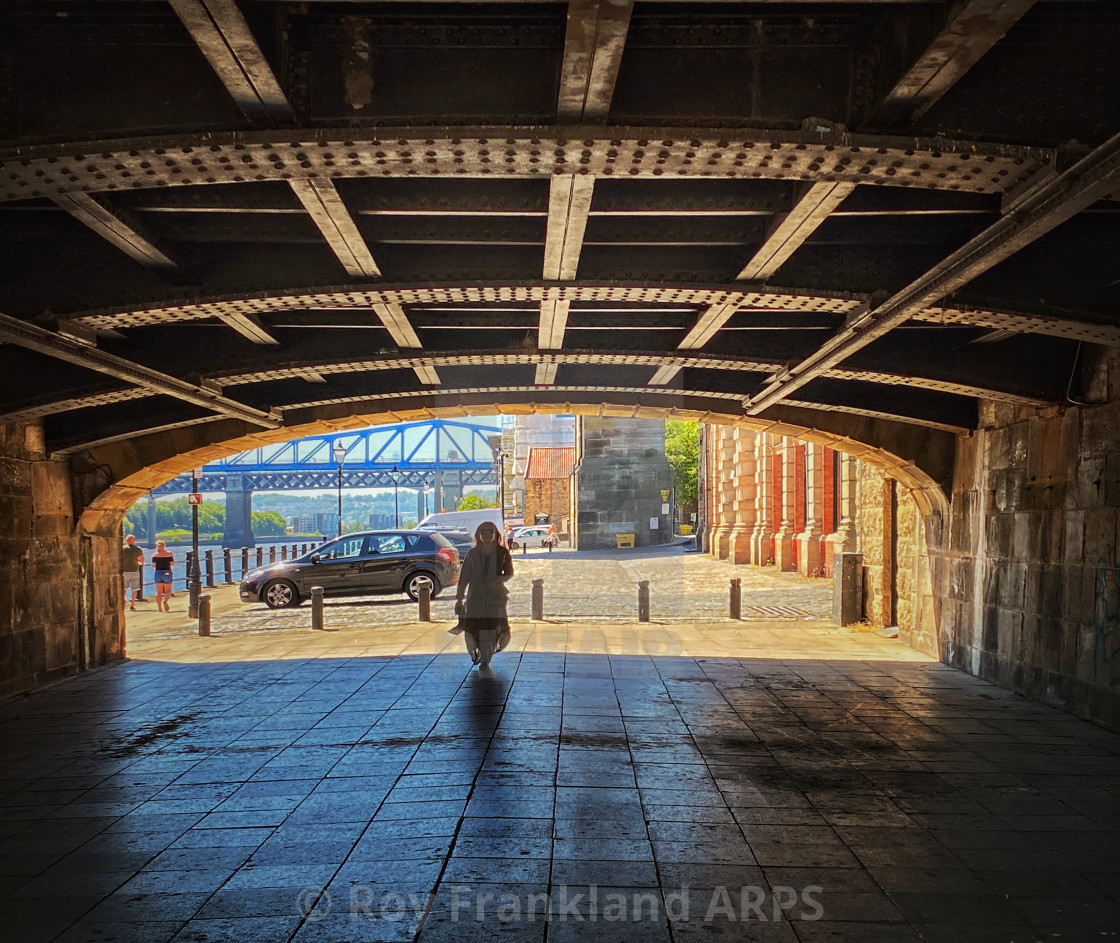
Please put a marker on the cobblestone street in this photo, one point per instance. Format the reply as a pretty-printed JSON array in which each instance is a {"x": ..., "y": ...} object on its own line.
[{"x": 579, "y": 587}]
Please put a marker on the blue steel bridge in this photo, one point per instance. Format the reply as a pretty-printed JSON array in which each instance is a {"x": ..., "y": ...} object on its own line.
[{"x": 443, "y": 454}]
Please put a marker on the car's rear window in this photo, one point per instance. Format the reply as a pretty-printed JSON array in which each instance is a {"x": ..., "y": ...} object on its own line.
[{"x": 438, "y": 539}]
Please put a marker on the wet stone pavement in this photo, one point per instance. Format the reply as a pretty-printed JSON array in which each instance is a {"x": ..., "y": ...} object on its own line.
[{"x": 784, "y": 781}]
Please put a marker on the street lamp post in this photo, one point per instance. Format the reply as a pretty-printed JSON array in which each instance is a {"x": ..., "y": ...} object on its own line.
[
  {"x": 396, "y": 475},
  {"x": 339, "y": 457}
]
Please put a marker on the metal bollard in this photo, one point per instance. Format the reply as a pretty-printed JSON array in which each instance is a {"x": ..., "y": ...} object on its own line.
[
  {"x": 209, "y": 569},
  {"x": 204, "y": 615},
  {"x": 283, "y": 551},
  {"x": 302, "y": 549},
  {"x": 272, "y": 554},
  {"x": 643, "y": 601},
  {"x": 524, "y": 546},
  {"x": 424, "y": 601},
  {"x": 736, "y": 598},
  {"x": 227, "y": 563},
  {"x": 244, "y": 561},
  {"x": 538, "y": 599},
  {"x": 317, "y": 608}
]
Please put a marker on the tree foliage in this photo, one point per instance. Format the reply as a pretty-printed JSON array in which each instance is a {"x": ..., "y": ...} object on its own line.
[
  {"x": 268, "y": 524},
  {"x": 682, "y": 449},
  {"x": 474, "y": 502}
]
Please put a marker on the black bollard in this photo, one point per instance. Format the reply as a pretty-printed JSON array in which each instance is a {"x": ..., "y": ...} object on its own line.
[
  {"x": 227, "y": 563},
  {"x": 643, "y": 601},
  {"x": 204, "y": 615},
  {"x": 317, "y": 607},
  {"x": 424, "y": 601},
  {"x": 538, "y": 599},
  {"x": 260, "y": 556},
  {"x": 209, "y": 569},
  {"x": 244, "y": 561},
  {"x": 736, "y": 598},
  {"x": 272, "y": 554}
]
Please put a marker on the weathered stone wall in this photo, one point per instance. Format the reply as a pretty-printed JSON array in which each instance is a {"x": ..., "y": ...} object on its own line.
[
  {"x": 1031, "y": 567},
  {"x": 49, "y": 605},
  {"x": 874, "y": 525},
  {"x": 621, "y": 473}
]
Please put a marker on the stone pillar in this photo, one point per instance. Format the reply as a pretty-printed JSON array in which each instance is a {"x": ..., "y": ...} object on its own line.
[
  {"x": 239, "y": 513},
  {"x": 724, "y": 492},
  {"x": 809, "y": 540},
  {"x": 843, "y": 539},
  {"x": 703, "y": 492},
  {"x": 739, "y": 540},
  {"x": 783, "y": 537},
  {"x": 763, "y": 499}
]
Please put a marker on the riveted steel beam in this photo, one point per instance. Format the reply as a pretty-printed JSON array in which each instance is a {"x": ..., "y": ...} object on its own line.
[
  {"x": 393, "y": 316},
  {"x": 1094, "y": 177},
  {"x": 593, "y": 43},
  {"x": 974, "y": 27},
  {"x": 554, "y": 320},
  {"x": 250, "y": 327},
  {"x": 111, "y": 227},
  {"x": 515, "y": 152},
  {"x": 546, "y": 373},
  {"x": 668, "y": 367},
  {"x": 321, "y": 199},
  {"x": 789, "y": 230},
  {"x": 35, "y": 338},
  {"x": 223, "y": 36},
  {"x": 569, "y": 202}
]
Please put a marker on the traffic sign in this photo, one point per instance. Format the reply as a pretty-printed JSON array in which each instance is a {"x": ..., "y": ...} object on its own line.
[
  {"x": 194, "y": 498},
  {"x": 664, "y": 495}
]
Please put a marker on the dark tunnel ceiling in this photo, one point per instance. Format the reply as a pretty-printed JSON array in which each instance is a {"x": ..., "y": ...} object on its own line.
[{"x": 897, "y": 208}]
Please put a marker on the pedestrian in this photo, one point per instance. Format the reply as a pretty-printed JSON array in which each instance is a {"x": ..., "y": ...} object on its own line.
[
  {"x": 553, "y": 538},
  {"x": 509, "y": 536},
  {"x": 132, "y": 559},
  {"x": 162, "y": 561},
  {"x": 482, "y": 580}
]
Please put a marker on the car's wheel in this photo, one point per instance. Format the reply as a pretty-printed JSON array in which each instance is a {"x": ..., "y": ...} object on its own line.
[
  {"x": 421, "y": 578},
  {"x": 281, "y": 594}
]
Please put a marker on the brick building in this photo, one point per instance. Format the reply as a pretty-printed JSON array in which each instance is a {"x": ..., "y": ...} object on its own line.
[{"x": 548, "y": 485}]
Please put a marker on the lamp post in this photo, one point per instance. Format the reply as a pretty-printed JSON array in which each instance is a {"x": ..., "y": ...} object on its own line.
[
  {"x": 339, "y": 457},
  {"x": 396, "y": 475},
  {"x": 427, "y": 490}
]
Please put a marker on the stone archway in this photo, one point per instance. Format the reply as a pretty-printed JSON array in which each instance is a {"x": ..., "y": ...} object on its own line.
[{"x": 75, "y": 506}]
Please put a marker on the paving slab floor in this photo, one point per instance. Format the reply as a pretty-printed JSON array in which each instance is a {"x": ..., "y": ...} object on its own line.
[{"x": 789, "y": 781}]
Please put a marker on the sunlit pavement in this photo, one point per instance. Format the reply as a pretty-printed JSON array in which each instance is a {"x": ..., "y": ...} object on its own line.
[{"x": 607, "y": 781}]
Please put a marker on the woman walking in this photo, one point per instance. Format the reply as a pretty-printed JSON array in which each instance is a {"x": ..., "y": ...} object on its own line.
[
  {"x": 482, "y": 579},
  {"x": 162, "y": 560}
]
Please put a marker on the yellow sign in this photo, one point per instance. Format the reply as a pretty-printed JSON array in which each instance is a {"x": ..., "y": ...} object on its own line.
[{"x": 664, "y": 495}]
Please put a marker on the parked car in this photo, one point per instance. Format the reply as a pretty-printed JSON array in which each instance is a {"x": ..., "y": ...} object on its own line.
[
  {"x": 535, "y": 535},
  {"x": 462, "y": 520},
  {"x": 371, "y": 563}
]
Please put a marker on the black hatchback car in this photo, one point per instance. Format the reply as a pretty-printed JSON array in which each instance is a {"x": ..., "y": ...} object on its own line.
[{"x": 367, "y": 564}]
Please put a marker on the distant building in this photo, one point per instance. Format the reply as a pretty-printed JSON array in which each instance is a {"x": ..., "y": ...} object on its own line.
[
  {"x": 548, "y": 485},
  {"x": 538, "y": 431},
  {"x": 379, "y": 521}
]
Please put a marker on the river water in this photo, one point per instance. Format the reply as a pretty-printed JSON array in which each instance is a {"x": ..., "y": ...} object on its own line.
[{"x": 180, "y": 551}]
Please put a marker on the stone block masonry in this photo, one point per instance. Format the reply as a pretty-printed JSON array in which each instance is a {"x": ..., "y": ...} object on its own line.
[
  {"x": 60, "y": 592},
  {"x": 621, "y": 471}
]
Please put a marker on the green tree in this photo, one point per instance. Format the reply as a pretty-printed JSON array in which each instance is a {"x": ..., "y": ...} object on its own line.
[
  {"x": 474, "y": 502},
  {"x": 682, "y": 449},
  {"x": 268, "y": 524}
]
